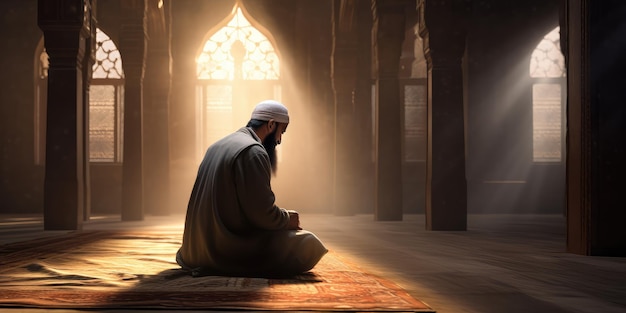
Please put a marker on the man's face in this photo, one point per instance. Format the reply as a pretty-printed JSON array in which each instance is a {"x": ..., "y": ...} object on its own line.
[{"x": 272, "y": 140}]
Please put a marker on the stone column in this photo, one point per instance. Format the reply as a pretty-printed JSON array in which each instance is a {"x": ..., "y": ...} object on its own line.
[
  {"x": 156, "y": 111},
  {"x": 133, "y": 51},
  {"x": 88, "y": 61},
  {"x": 63, "y": 24},
  {"x": 596, "y": 144},
  {"x": 363, "y": 101},
  {"x": 343, "y": 78},
  {"x": 443, "y": 28},
  {"x": 185, "y": 155},
  {"x": 316, "y": 44},
  {"x": 388, "y": 35}
]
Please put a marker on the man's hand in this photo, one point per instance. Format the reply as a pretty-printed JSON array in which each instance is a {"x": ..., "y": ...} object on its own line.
[{"x": 294, "y": 220}]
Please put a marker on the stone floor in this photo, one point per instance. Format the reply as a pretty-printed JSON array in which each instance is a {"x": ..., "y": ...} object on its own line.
[{"x": 502, "y": 263}]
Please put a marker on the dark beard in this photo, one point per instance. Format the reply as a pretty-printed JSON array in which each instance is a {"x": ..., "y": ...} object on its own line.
[{"x": 269, "y": 143}]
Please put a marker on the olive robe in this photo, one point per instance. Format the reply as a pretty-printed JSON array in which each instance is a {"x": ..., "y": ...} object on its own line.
[{"x": 233, "y": 226}]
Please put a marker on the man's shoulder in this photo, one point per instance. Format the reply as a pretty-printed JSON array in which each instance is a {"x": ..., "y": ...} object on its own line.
[
  {"x": 244, "y": 136},
  {"x": 231, "y": 147},
  {"x": 238, "y": 141}
]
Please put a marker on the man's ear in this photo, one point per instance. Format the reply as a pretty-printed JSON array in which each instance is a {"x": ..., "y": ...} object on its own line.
[{"x": 271, "y": 124}]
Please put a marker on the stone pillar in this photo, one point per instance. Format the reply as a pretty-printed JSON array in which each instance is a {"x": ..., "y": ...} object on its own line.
[
  {"x": 184, "y": 155},
  {"x": 343, "y": 78},
  {"x": 388, "y": 34},
  {"x": 88, "y": 61},
  {"x": 63, "y": 24},
  {"x": 443, "y": 28},
  {"x": 156, "y": 111},
  {"x": 363, "y": 101},
  {"x": 133, "y": 51},
  {"x": 596, "y": 144},
  {"x": 317, "y": 46}
]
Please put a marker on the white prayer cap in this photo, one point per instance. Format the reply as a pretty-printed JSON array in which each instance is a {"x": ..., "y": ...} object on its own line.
[{"x": 270, "y": 109}]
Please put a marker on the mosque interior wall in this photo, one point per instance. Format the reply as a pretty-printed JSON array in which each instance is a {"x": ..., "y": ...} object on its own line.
[{"x": 500, "y": 40}]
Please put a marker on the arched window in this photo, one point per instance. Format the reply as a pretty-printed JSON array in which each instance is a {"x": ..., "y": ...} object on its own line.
[
  {"x": 238, "y": 51},
  {"x": 547, "y": 70},
  {"x": 105, "y": 102},
  {"x": 237, "y": 67}
]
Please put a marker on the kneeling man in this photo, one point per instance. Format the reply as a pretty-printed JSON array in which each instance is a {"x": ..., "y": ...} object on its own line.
[{"x": 233, "y": 227}]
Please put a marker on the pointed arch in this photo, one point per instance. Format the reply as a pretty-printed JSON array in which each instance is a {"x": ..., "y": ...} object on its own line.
[
  {"x": 240, "y": 34},
  {"x": 108, "y": 64},
  {"x": 237, "y": 65},
  {"x": 547, "y": 59}
]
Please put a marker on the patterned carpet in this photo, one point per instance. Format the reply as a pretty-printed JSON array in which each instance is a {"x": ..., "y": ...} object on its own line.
[{"x": 109, "y": 270}]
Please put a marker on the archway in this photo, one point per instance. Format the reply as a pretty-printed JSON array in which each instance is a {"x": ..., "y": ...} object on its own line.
[{"x": 238, "y": 66}]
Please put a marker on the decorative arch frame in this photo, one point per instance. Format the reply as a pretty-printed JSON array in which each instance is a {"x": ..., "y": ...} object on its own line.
[
  {"x": 264, "y": 37},
  {"x": 224, "y": 101}
]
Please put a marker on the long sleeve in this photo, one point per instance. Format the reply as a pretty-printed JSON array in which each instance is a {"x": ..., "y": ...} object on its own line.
[{"x": 252, "y": 179}]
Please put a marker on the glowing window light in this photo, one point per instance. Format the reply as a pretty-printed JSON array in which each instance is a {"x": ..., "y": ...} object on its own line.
[
  {"x": 259, "y": 62},
  {"x": 547, "y": 59},
  {"x": 104, "y": 110},
  {"x": 547, "y": 125},
  {"x": 108, "y": 63},
  {"x": 108, "y": 59},
  {"x": 547, "y": 68}
]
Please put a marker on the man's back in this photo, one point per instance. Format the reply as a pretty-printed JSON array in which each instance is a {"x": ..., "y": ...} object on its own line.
[
  {"x": 232, "y": 225},
  {"x": 223, "y": 231}
]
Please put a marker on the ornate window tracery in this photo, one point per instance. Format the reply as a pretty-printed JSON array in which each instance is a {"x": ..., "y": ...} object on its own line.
[
  {"x": 547, "y": 59},
  {"x": 238, "y": 51},
  {"x": 108, "y": 62}
]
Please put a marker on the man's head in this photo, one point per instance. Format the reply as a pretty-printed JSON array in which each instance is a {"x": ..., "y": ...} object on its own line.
[
  {"x": 267, "y": 110},
  {"x": 269, "y": 120}
]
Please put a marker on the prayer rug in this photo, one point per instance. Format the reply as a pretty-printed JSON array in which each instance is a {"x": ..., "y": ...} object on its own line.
[{"x": 113, "y": 270}]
